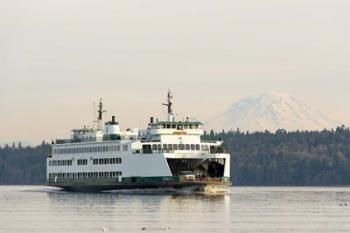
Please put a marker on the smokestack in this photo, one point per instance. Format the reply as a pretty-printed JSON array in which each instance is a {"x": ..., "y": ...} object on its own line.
[
  {"x": 151, "y": 120},
  {"x": 113, "y": 119}
]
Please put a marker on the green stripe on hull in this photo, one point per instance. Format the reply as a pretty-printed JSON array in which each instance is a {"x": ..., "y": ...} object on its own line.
[
  {"x": 140, "y": 179},
  {"x": 99, "y": 184},
  {"x": 109, "y": 181}
]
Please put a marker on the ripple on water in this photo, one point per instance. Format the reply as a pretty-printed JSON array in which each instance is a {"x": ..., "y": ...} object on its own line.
[{"x": 251, "y": 209}]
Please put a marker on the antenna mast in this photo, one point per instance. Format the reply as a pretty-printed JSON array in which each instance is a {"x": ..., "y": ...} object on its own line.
[
  {"x": 100, "y": 112},
  {"x": 93, "y": 114},
  {"x": 169, "y": 104}
]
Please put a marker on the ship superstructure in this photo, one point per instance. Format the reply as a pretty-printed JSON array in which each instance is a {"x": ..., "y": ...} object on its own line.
[{"x": 167, "y": 153}]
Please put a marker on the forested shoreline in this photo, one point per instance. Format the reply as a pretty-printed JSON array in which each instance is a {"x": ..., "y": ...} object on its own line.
[
  {"x": 290, "y": 158},
  {"x": 23, "y": 165},
  {"x": 313, "y": 158}
]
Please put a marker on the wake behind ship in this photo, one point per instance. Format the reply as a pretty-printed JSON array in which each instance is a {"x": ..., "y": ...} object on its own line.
[{"x": 167, "y": 154}]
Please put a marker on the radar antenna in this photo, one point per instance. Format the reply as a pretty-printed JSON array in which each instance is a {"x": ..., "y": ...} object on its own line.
[
  {"x": 100, "y": 112},
  {"x": 169, "y": 104}
]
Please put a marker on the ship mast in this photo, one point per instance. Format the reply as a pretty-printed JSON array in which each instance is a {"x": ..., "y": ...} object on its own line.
[
  {"x": 169, "y": 104},
  {"x": 100, "y": 112}
]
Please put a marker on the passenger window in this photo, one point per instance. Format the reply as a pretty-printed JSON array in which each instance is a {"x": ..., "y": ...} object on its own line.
[
  {"x": 193, "y": 147},
  {"x": 125, "y": 147},
  {"x": 187, "y": 147}
]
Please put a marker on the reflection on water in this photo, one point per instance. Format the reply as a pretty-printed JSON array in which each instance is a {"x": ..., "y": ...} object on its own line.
[
  {"x": 262, "y": 209},
  {"x": 130, "y": 212}
]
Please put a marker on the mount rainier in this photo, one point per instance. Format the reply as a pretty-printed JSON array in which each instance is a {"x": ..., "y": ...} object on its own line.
[{"x": 270, "y": 111}]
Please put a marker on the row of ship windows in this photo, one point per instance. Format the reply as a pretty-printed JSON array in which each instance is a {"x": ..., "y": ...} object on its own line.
[
  {"x": 179, "y": 147},
  {"x": 84, "y": 175},
  {"x": 179, "y": 126},
  {"x": 125, "y": 148},
  {"x": 85, "y": 162},
  {"x": 82, "y": 162},
  {"x": 107, "y": 161},
  {"x": 60, "y": 163},
  {"x": 79, "y": 150}
]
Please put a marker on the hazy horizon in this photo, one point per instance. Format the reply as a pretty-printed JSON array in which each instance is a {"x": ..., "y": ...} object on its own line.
[{"x": 58, "y": 57}]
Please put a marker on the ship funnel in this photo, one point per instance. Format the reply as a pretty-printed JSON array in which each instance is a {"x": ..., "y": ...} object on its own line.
[{"x": 111, "y": 130}]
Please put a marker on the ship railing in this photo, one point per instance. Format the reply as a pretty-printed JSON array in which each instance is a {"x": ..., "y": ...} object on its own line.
[
  {"x": 209, "y": 141},
  {"x": 62, "y": 141},
  {"x": 140, "y": 151},
  {"x": 75, "y": 140}
]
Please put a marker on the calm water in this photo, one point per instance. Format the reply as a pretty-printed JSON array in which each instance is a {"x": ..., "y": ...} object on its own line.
[{"x": 38, "y": 209}]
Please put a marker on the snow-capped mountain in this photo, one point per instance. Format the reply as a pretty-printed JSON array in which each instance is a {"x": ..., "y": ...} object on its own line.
[{"x": 270, "y": 111}]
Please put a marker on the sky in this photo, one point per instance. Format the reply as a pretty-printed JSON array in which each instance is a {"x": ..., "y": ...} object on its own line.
[{"x": 58, "y": 57}]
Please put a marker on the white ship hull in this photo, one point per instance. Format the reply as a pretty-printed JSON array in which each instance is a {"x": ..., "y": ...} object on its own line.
[{"x": 134, "y": 171}]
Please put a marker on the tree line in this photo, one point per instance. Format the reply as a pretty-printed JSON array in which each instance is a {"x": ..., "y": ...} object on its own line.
[
  {"x": 259, "y": 158},
  {"x": 289, "y": 158},
  {"x": 23, "y": 165}
]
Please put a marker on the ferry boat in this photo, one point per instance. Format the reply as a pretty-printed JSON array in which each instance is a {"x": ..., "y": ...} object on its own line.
[{"x": 167, "y": 154}]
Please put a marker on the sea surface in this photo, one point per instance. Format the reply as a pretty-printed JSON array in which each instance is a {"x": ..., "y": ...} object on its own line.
[{"x": 39, "y": 209}]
